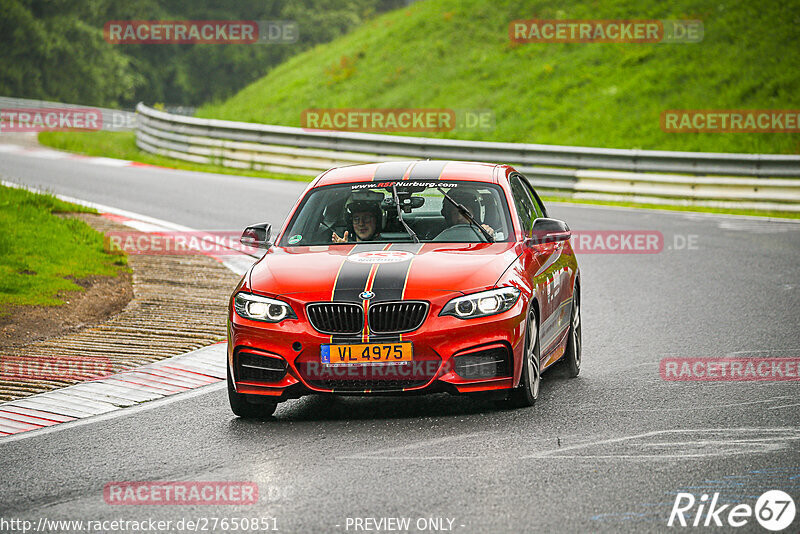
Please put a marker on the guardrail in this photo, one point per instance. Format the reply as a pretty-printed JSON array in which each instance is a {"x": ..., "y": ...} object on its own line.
[{"x": 751, "y": 181}]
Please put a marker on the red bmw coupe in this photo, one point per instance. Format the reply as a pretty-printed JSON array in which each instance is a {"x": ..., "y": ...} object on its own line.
[{"x": 403, "y": 278}]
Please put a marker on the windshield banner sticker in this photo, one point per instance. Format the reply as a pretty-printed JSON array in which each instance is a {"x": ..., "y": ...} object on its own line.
[
  {"x": 380, "y": 256},
  {"x": 373, "y": 185}
]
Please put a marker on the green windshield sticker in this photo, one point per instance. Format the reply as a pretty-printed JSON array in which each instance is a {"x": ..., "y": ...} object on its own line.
[{"x": 295, "y": 239}]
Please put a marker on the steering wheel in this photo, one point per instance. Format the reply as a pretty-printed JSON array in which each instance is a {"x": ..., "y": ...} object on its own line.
[{"x": 460, "y": 232}]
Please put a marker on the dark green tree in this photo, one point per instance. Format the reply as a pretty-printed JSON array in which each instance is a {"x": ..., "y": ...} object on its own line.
[{"x": 55, "y": 50}]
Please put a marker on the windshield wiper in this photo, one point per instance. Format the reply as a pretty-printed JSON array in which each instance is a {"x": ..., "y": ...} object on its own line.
[
  {"x": 466, "y": 213},
  {"x": 411, "y": 232}
]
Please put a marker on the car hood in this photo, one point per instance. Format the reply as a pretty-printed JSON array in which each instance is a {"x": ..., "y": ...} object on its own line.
[{"x": 391, "y": 272}]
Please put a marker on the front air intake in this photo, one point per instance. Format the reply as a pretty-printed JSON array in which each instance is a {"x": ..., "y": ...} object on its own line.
[
  {"x": 488, "y": 363},
  {"x": 257, "y": 367},
  {"x": 336, "y": 318},
  {"x": 396, "y": 317}
]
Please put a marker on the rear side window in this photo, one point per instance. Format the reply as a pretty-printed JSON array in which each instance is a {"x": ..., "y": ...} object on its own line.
[{"x": 524, "y": 204}]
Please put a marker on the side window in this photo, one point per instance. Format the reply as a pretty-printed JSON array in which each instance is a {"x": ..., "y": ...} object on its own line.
[
  {"x": 523, "y": 203},
  {"x": 537, "y": 202}
]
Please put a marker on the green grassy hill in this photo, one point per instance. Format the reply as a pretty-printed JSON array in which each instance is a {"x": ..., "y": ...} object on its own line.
[{"x": 457, "y": 54}]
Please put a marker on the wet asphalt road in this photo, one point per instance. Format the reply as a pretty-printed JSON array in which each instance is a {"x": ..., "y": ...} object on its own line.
[{"x": 605, "y": 452}]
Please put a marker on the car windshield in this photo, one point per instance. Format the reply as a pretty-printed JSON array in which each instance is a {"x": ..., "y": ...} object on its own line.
[{"x": 475, "y": 212}]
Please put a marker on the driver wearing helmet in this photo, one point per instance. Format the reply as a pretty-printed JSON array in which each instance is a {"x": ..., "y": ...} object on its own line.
[
  {"x": 363, "y": 222},
  {"x": 469, "y": 200}
]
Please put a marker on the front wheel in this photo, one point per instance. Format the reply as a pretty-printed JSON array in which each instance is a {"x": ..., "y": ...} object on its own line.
[
  {"x": 528, "y": 390},
  {"x": 572, "y": 356},
  {"x": 246, "y": 409}
]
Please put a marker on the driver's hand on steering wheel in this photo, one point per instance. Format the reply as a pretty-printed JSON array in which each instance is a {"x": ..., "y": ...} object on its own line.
[
  {"x": 336, "y": 239},
  {"x": 488, "y": 229}
]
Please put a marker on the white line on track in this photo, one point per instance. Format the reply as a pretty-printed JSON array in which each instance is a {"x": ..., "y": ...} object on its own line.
[
  {"x": 783, "y": 406},
  {"x": 728, "y": 437},
  {"x": 695, "y": 408},
  {"x": 710, "y": 442}
]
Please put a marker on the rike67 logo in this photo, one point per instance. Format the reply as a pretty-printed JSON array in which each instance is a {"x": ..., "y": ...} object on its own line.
[{"x": 774, "y": 510}]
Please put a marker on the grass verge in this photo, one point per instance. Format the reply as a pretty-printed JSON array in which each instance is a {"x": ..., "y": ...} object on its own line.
[{"x": 40, "y": 252}]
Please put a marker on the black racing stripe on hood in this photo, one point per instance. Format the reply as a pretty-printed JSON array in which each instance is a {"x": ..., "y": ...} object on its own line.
[
  {"x": 353, "y": 276},
  {"x": 391, "y": 277},
  {"x": 427, "y": 170},
  {"x": 391, "y": 171}
]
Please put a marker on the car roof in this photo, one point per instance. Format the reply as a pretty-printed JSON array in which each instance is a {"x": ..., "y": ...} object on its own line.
[{"x": 419, "y": 170}]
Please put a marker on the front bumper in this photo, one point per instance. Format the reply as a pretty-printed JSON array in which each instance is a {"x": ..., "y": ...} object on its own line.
[{"x": 450, "y": 354}]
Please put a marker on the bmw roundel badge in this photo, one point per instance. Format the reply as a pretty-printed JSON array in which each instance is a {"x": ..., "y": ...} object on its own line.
[{"x": 366, "y": 295}]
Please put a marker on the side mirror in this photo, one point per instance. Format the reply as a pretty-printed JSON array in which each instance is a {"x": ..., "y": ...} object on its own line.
[
  {"x": 547, "y": 230},
  {"x": 257, "y": 236}
]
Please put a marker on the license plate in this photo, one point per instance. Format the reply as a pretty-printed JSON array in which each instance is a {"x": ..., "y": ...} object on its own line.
[{"x": 365, "y": 354}]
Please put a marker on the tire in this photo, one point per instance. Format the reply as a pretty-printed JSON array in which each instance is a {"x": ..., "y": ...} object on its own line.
[
  {"x": 527, "y": 392},
  {"x": 246, "y": 409},
  {"x": 572, "y": 355}
]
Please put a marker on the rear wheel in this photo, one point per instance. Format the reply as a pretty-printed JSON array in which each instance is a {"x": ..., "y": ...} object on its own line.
[
  {"x": 246, "y": 409},
  {"x": 572, "y": 356},
  {"x": 528, "y": 390}
]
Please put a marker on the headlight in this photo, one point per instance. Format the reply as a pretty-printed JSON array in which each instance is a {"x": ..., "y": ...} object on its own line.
[
  {"x": 258, "y": 308},
  {"x": 482, "y": 304}
]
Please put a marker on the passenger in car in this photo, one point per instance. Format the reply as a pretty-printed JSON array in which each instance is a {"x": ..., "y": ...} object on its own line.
[
  {"x": 363, "y": 222},
  {"x": 469, "y": 200}
]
